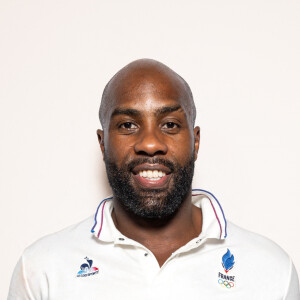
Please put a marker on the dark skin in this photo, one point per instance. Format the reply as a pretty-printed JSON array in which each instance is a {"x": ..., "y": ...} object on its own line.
[{"x": 149, "y": 115}]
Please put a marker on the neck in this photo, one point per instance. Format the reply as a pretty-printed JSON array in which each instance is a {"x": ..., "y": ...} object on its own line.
[{"x": 162, "y": 237}]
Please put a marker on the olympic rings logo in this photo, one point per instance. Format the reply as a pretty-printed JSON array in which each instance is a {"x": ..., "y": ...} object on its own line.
[{"x": 226, "y": 283}]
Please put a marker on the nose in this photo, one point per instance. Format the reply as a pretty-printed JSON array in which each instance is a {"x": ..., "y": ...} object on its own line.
[{"x": 150, "y": 143}]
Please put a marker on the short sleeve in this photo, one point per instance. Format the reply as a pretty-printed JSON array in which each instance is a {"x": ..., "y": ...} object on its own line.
[
  {"x": 292, "y": 292},
  {"x": 29, "y": 280},
  {"x": 19, "y": 288}
]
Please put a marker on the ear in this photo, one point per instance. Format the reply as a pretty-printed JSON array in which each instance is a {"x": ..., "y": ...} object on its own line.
[
  {"x": 196, "y": 140},
  {"x": 100, "y": 134}
]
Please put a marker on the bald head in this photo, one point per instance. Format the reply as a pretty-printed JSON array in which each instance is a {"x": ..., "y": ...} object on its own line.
[{"x": 145, "y": 77}]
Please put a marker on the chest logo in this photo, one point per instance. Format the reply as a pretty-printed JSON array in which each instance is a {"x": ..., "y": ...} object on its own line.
[
  {"x": 228, "y": 261},
  {"x": 226, "y": 280},
  {"x": 86, "y": 269}
]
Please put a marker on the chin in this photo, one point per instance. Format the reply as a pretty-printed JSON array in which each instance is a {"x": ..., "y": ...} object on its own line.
[{"x": 158, "y": 206}]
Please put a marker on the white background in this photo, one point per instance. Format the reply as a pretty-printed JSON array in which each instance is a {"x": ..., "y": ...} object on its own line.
[{"x": 242, "y": 61}]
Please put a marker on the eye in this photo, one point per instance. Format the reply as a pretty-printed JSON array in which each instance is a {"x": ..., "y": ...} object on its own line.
[
  {"x": 170, "y": 125},
  {"x": 128, "y": 125}
]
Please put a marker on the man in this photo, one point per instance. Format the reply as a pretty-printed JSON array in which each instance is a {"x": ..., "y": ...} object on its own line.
[{"x": 155, "y": 238}]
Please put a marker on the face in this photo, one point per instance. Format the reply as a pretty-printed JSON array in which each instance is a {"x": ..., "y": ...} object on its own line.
[{"x": 149, "y": 149}]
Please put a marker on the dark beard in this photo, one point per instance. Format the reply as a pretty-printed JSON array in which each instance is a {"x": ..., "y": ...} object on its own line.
[{"x": 150, "y": 203}]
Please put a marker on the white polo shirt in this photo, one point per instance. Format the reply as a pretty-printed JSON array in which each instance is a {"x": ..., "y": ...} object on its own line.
[{"x": 223, "y": 262}]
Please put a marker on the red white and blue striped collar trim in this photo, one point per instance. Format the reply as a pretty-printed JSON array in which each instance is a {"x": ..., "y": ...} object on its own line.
[
  {"x": 212, "y": 218},
  {"x": 217, "y": 210},
  {"x": 99, "y": 216}
]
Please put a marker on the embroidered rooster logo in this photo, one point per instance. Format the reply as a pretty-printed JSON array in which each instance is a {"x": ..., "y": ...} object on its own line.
[
  {"x": 87, "y": 269},
  {"x": 228, "y": 261}
]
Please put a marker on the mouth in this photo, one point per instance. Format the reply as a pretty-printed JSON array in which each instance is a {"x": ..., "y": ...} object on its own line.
[{"x": 152, "y": 175}]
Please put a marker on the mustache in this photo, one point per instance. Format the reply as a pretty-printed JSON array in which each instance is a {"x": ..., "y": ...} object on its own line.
[{"x": 146, "y": 160}]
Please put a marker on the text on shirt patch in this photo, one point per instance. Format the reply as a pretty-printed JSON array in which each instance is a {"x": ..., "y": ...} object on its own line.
[
  {"x": 226, "y": 281},
  {"x": 86, "y": 269}
]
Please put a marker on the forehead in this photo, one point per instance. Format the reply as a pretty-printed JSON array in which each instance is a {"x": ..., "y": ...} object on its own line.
[{"x": 147, "y": 93}]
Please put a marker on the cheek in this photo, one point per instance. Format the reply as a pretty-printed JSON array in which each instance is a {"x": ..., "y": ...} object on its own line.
[
  {"x": 182, "y": 154},
  {"x": 182, "y": 149},
  {"x": 118, "y": 149}
]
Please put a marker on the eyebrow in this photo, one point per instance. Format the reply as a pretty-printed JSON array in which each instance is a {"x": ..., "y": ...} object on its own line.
[
  {"x": 168, "y": 109},
  {"x": 137, "y": 113},
  {"x": 126, "y": 111}
]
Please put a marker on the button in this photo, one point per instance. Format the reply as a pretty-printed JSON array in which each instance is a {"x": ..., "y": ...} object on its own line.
[
  {"x": 121, "y": 239},
  {"x": 146, "y": 254}
]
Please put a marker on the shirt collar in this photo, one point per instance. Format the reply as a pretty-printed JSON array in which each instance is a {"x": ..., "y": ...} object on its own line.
[{"x": 214, "y": 224}]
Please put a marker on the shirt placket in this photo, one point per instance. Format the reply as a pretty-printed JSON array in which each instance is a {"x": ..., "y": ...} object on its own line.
[{"x": 145, "y": 258}]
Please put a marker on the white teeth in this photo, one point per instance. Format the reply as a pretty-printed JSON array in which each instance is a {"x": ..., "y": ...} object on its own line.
[{"x": 152, "y": 174}]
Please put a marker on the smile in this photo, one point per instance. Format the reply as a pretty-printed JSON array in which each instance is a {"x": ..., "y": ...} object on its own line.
[{"x": 152, "y": 175}]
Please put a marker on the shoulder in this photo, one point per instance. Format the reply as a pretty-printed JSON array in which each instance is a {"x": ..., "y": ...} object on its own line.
[
  {"x": 47, "y": 259},
  {"x": 258, "y": 253},
  {"x": 254, "y": 242},
  {"x": 60, "y": 242}
]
